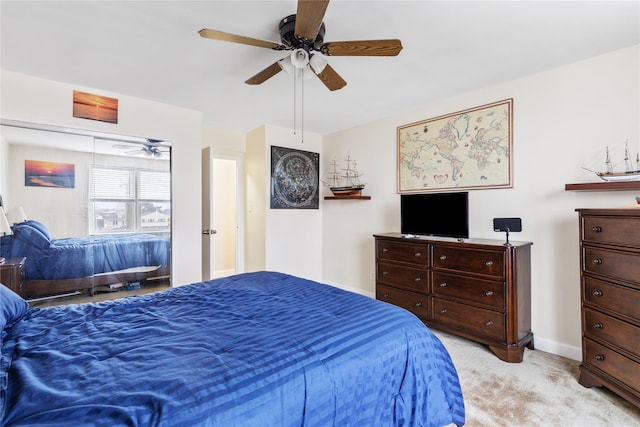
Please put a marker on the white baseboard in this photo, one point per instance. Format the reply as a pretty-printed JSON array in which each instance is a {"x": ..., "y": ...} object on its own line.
[{"x": 555, "y": 347}]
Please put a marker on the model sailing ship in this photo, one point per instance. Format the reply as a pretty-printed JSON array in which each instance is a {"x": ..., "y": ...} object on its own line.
[
  {"x": 345, "y": 181},
  {"x": 630, "y": 173}
]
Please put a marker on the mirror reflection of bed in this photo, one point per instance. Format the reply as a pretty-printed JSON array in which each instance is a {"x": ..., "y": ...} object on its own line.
[{"x": 91, "y": 212}]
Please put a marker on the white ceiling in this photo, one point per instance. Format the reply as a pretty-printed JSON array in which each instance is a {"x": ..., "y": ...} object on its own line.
[{"x": 152, "y": 50}]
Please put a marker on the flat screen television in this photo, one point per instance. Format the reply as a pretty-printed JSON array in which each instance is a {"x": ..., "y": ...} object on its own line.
[{"x": 435, "y": 214}]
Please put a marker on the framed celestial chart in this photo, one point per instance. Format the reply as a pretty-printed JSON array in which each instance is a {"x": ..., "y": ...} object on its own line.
[{"x": 294, "y": 178}]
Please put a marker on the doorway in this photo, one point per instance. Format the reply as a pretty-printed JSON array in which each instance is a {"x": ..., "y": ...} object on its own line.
[{"x": 222, "y": 215}]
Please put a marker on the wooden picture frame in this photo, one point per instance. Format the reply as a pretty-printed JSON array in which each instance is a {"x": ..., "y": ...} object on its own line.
[{"x": 465, "y": 150}]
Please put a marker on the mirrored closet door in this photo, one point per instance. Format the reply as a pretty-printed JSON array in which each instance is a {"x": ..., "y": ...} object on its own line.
[{"x": 89, "y": 211}]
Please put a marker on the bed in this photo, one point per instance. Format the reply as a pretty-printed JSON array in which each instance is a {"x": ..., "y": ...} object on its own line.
[
  {"x": 55, "y": 266},
  {"x": 254, "y": 349}
]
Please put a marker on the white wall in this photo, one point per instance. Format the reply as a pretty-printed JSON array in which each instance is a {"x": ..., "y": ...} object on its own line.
[
  {"x": 562, "y": 118},
  {"x": 293, "y": 236},
  {"x": 38, "y": 100}
]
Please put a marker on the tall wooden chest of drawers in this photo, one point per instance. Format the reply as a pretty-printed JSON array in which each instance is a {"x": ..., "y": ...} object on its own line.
[
  {"x": 477, "y": 289},
  {"x": 610, "y": 293}
]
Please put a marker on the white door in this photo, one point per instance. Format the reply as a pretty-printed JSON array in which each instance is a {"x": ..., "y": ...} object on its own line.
[{"x": 222, "y": 204}]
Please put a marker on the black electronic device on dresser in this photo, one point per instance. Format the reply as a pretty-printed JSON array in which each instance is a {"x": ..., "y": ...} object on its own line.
[{"x": 610, "y": 300}]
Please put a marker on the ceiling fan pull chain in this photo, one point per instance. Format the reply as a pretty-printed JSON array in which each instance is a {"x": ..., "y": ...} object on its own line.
[
  {"x": 302, "y": 106},
  {"x": 294, "y": 99}
]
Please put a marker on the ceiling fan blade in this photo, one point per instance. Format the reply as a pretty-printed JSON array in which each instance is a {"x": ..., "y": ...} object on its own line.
[
  {"x": 265, "y": 74},
  {"x": 390, "y": 47},
  {"x": 331, "y": 78},
  {"x": 227, "y": 37},
  {"x": 309, "y": 18}
]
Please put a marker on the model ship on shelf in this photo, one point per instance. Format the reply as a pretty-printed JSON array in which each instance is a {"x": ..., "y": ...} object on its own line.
[
  {"x": 344, "y": 181},
  {"x": 630, "y": 173}
]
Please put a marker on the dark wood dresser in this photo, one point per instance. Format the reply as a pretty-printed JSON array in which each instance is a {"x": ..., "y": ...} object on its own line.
[
  {"x": 610, "y": 291},
  {"x": 478, "y": 289}
]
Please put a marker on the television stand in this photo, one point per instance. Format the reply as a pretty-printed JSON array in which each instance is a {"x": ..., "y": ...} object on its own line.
[{"x": 478, "y": 289}]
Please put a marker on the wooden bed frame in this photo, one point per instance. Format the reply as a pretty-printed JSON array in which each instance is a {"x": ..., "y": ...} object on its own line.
[{"x": 40, "y": 289}]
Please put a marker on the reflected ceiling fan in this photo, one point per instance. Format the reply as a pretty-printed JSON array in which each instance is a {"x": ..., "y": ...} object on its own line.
[
  {"x": 303, "y": 34},
  {"x": 152, "y": 148}
]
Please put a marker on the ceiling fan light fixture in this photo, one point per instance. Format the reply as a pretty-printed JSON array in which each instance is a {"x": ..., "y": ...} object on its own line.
[
  {"x": 300, "y": 58},
  {"x": 318, "y": 61},
  {"x": 286, "y": 65}
]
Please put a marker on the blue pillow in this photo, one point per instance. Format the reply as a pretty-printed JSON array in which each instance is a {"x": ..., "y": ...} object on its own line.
[
  {"x": 12, "y": 307},
  {"x": 40, "y": 227},
  {"x": 27, "y": 233}
]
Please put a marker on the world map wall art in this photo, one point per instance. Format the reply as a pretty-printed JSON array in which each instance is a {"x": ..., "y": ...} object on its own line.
[
  {"x": 470, "y": 149},
  {"x": 294, "y": 178}
]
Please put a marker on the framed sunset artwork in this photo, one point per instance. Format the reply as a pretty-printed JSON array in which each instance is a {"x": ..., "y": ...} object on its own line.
[{"x": 49, "y": 174}]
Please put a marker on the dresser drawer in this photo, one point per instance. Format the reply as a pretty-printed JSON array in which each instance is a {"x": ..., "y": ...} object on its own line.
[
  {"x": 625, "y": 301},
  {"x": 412, "y": 301},
  {"x": 402, "y": 276},
  {"x": 477, "y": 261},
  {"x": 415, "y": 253},
  {"x": 614, "y": 364},
  {"x": 480, "y": 291},
  {"x": 611, "y": 263},
  {"x": 612, "y": 230},
  {"x": 607, "y": 328},
  {"x": 478, "y": 321}
]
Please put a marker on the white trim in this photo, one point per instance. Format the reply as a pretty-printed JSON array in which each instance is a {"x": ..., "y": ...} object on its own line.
[{"x": 558, "y": 348}]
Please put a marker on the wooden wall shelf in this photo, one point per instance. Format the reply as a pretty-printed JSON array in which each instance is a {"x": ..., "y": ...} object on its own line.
[
  {"x": 603, "y": 186},
  {"x": 347, "y": 197}
]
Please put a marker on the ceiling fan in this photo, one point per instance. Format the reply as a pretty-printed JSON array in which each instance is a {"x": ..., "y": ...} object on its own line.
[
  {"x": 303, "y": 34},
  {"x": 153, "y": 149}
]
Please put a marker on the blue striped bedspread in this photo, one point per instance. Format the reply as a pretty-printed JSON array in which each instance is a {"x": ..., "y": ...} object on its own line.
[{"x": 255, "y": 349}]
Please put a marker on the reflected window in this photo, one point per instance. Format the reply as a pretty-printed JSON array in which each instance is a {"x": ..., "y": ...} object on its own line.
[{"x": 129, "y": 200}]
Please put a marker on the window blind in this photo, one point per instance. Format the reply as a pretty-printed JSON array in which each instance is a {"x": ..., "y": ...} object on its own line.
[
  {"x": 154, "y": 185},
  {"x": 111, "y": 184}
]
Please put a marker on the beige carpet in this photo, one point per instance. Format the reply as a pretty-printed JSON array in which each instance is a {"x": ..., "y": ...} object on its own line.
[{"x": 543, "y": 390}]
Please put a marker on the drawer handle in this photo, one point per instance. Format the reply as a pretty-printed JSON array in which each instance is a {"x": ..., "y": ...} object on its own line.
[
  {"x": 443, "y": 257},
  {"x": 600, "y": 357},
  {"x": 488, "y": 263},
  {"x": 489, "y": 323},
  {"x": 443, "y": 284},
  {"x": 385, "y": 250},
  {"x": 417, "y": 279},
  {"x": 385, "y": 296},
  {"x": 443, "y": 311},
  {"x": 489, "y": 293},
  {"x": 597, "y": 293},
  {"x": 418, "y": 254},
  {"x": 596, "y": 229},
  {"x": 418, "y": 304},
  {"x": 597, "y": 261},
  {"x": 598, "y": 325},
  {"x": 384, "y": 273}
]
